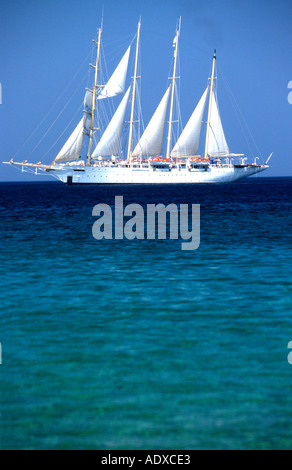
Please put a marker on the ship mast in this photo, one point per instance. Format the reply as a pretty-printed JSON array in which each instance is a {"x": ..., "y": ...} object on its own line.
[
  {"x": 93, "y": 97},
  {"x": 134, "y": 92},
  {"x": 210, "y": 105},
  {"x": 174, "y": 77}
]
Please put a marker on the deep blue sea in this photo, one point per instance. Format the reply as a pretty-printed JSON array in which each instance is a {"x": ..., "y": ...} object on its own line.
[{"x": 137, "y": 344}]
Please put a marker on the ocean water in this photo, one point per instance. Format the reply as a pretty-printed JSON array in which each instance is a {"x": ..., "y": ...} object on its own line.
[{"x": 136, "y": 344}]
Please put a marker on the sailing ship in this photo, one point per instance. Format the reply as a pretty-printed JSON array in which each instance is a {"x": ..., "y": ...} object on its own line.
[{"x": 105, "y": 163}]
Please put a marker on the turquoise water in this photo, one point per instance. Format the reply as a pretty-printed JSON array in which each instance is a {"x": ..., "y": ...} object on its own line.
[{"x": 119, "y": 344}]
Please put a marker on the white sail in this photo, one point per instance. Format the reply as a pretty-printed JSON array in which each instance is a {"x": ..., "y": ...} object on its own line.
[
  {"x": 188, "y": 141},
  {"x": 86, "y": 122},
  {"x": 110, "y": 141},
  {"x": 88, "y": 100},
  {"x": 71, "y": 150},
  {"x": 116, "y": 83},
  {"x": 150, "y": 142},
  {"x": 217, "y": 144}
]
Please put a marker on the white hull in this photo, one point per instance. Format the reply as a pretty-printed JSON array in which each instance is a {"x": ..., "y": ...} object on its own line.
[{"x": 145, "y": 175}]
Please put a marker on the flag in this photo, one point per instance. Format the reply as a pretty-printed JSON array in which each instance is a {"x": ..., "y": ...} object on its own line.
[{"x": 174, "y": 44}]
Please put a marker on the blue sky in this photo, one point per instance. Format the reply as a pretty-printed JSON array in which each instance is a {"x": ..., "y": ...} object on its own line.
[{"x": 46, "y": 47}]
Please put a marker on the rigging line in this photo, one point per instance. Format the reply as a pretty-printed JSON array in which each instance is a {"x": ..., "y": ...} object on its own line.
[
  {"x": 114, "y": 54},
  {"x": 60, "y": 136},
  {"x": 178, "y": 99},
  {"x": 89, "y": 68},
  {"x": 51, "y": 108},
  {"x": 178, "y": 112},
  {"x": 119, "y": 43},
  {"x": 236, "y": 107},
  {"x": 139, "y": 93},
  {"x": 190, "y": 46},
  {"x": 105, "y": 78},
  {"x": 102, "y": 15},
  {"x": 102, "y": 118},
  {"x": 62, "y": 110},
  {"x": 139, "y": 116}
]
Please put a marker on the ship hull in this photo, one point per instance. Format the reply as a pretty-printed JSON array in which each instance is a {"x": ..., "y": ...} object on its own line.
[{"x": 136, "y": 175}]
